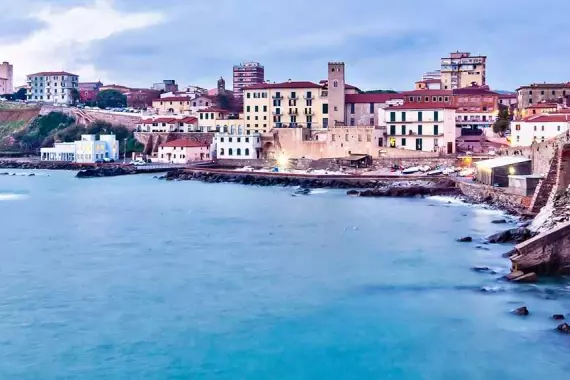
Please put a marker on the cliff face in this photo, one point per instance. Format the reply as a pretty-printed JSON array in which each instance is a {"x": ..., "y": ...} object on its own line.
[{"x": 12, "y": 120}]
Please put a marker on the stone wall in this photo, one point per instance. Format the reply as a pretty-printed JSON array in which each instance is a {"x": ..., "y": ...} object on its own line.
[
  {"x": 240, "y": 163},
  {"x": 495, "y": 196},
  {"x": 406, "y": 162},
  {"x": 84, "y": 116}
]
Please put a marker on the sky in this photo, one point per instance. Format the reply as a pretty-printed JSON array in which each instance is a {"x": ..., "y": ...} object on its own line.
[{"x": 384, "y": 44}]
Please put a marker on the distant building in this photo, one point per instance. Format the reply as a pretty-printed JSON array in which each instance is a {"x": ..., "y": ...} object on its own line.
[
  {"x": 362, "y": 109},
  {"x": 432, "y": 75},
  {"x": 182, "y": 105},
  {"x": 461, "y": 69},
  {"x": 52, "y": 87},
  {"x": 477, "y": 107},
  {"x": 541, "y": 92},
  {"x": 508, "y": 100},
  {"x": 168, "y": 124},
  {"x": 141, "y": 98},
  {"x": 538, "y": 128},
  {"x": 88, "y": 91},
  {"x": 214, "y": 119},
  {"x": 428, "y": 84},
  {"x": 496, "y": 171},
  {"x": 116, "y": 87},
  {"x": 167, "y": 85},
  {"x": 236, "y": 145},
  {"x": 86, "y": 150},
  {"x": 6, "y": 78},
  {"x": 247, "y": 74},
  {"x": 183, "y": 151}
]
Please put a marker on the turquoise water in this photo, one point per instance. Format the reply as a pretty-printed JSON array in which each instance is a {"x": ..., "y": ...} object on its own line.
[{"x": 135, "y": 278}]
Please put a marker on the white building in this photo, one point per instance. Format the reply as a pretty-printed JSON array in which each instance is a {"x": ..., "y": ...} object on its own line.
[
  {"x": 86, "y": 150},
  {"x": 52, "y": 87},
  {"x": 237, "y": 146},
  {"x": 168, "y": 124},
  {"x": 6, "y": 78},
  {"x": 183, "y": 151},
  {"x": 427, "y": 127},
  {"x": 538, "y": 128}
]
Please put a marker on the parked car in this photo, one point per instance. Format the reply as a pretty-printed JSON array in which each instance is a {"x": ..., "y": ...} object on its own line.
[
  {"x": 99, "y": 161},
  {"x": 108, "y": 159}
]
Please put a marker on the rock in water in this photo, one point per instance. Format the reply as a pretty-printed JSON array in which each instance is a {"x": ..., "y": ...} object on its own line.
[
  {"x": 528, "y": 278},
  {"x": 303, "y": 191},
  {"x": 523, "y": 311},
  {"x": 465, "y": 239},
  {"x": 558, "y": 317},
  {"x": 499, "y": 221},
  {"x": 564, "y": 328},
  {"x": 352, "y": 193},
  {"x": 511, "y": 276},
  {"x": 516, "y": 235}
]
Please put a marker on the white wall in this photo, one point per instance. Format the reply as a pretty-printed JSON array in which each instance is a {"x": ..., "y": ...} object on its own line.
[
  {"x": 226, "y": 142},
  {"x": 524, "y": 133}
]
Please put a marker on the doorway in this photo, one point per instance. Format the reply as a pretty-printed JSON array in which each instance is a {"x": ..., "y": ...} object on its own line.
[{"x": 419, "y": 144}]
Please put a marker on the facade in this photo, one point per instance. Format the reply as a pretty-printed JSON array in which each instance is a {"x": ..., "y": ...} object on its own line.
[
  {"x": 86, "y": 150},
  {"x": 538, "y": 128},
  {"x": 236, "y": 145},
  {"x": 427, "y": 127},
  {"x": 183, "y": 151},
  {"x": 141, "y": 98},
  {"x": 52, "y": 87},
  {"x": 6, "y": 78},
  {"x": 88, "y": 91},
  {"x": 428, "y": 84},
  {"x": 247, "y": 74},
  {"x": 461, "y": 69},
  {"x": 496, "y": 171},
  {"x": 167, "y": 85},
  {"x": 168, "y": 124},
  {"x": 541, "y": 92},
  {"x": 432, "y": 75},
  {"x": 214, "y": 119},
  {"x": 538, "y": 108},
  {"x": 362, "y": 109},
  {"x": 508, "y": 100},
  {"x": 477, "y": 107},
  {"x": 182, "y": 105}
]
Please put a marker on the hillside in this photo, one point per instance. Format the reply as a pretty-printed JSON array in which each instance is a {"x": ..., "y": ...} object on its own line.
[{"x": 15, "y": 119}]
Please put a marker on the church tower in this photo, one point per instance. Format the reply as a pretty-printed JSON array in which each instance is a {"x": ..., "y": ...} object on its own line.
[
  {"x": 221, "y": 85},
  {"x": 336, "y": 93}
]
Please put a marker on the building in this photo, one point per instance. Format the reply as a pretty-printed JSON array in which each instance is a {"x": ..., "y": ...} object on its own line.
[
  {"x": 116, "y": 87},
  {"x": 508, "y": 100},
  {"x": 86, "y": 150},
  {"x": 141, "y": 98},
  {"x": 541, "y": 92},
  {"x": 428, "y": 84},
  {"x": 52, "y": 87},
  {"x": 168, "y": 124},
  {"x": 461, "y": 69},
  {"x": 214, "y": 119},
  {"x": 6, "y": 78},
  {"x": 430, "y": 75},
  {"x": 88, "y": 91},
  {"x": 183, "y": 151},
  {"x": 420, "y": 126},
  {"x": 167, "y": 85},
  {"x": 538, "y": 108},
  {"x": 247, "y": 74},
  {"x": 496, "y": 171},
  {"x": 362, "y": 109},
  {"x": 538, "y": 128},
  {"x": 236, "y": 145},
  {"x": 428, "y": 96},
  {"x": 477, "y": 108},
  {"x": 182, "y": 105}
]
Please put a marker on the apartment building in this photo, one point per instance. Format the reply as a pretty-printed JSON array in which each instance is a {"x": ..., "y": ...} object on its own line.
[
  {"x": 167, "y": 85},
  {"x": 362, "y": 109},
  {"x": 52, "y": 87},
  {"x": 6, "y": 78},
  {"x": 541, "y": 92},
  {"x": 426, "y": 126},
  {"x": 88, "y": 91},
  {"x": 477, "y": 107},
  {"x": 461, "y": 69},
  {"x": 538, "y": 128},
  {"x": 245, "y": 75}
]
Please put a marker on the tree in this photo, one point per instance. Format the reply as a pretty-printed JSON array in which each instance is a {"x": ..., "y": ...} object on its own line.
[
  {"x": 501, "y": 126},
  {"x": 20, "y": 94},
  {"x": 224, "y": 101},
  {"x": 111, "y": 99},
  {"x": 75, "y": 97},
  {"x": 380, "y": 92}
]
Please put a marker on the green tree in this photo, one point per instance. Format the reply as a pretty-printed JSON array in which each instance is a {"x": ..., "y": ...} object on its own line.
[
  {"x": 380, "y": 92},
  {"x": 21, "y": 94},
  {"x": 503, "y": 122},
  {"x": 75, "y": 97},
  {"x": 224, "y": 101},
  {"x": 111, "y": 99}
]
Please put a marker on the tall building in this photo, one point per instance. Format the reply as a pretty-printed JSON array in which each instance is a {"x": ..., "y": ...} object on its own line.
[
  {"x": 247, "y": 74},
  {"x": 542, "y": 92},
  {"x": 429, "y": 75},
  {"x": 167, "y": 85},
  {"x": 52, "y": 87},
  {"x": 461, "y": 69},
  {"x": 6, "y": 78}
]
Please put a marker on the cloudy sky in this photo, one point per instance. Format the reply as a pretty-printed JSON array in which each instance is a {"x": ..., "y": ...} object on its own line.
[{"x": 385, "y": 44}]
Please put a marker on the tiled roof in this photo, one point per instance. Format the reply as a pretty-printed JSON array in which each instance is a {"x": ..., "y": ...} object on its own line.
[
  {"x": 188, "y": 120},
  {"x": 173, "y": 99},
  {"x": 159, "y": 120},
  {"x": 371, "y": 98},
  {"x": 214, "y": 109},
  {"x": 545, "y": 85},
  {"x": 51, "y": 73},
  {"x": 548, "y": 118},
  {"x": 428, "y": 93},
  {"x": 543, "y": 105},
  {"x": 507, "y": 96},
  {"x": 184, "y": 143},
  {"x": 422, "y": 106},
  {"x": 473, "y": 91},
  {"x": 263, "y": 86}
]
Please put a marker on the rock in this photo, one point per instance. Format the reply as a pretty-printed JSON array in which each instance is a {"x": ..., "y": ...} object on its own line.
[
  {"x": 465, "y": 239},
  {"x": 302, "y": 191},
  {"x": 516, "y": 235},
  {"x": 564, "y": 328},
  {"x": 511, "y": 276},
  {"x": 352, "y": 193},
  {"x": 528, "y": 278},
  {"x": 565, "y": 270},
  {"x": 31, "y": 175},
  {"x": 558, "y": 317},
  {"x": 499, "y": 221},
  {"x": 509, "y": 253},
  {"x": 483, "y": 270},
  {"x": 482, "y": 248},
  {"x": 4, "y": 173},
  {"x": 522, "y": 311}
]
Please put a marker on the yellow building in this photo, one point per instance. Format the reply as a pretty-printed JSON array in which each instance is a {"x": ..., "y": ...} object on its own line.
[
  {"x": 537, "y": 109},
  {"x": 218, "y": 120},
  {"x": 176, "y": 105},
  {"x": 461, "y": 69}
]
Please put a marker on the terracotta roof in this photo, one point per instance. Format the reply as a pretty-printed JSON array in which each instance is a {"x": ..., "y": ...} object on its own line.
[
  {"x": 371, "y": 98},
  {"x": 214, "y": 109},
  {"x": 159, "y": 120},
  {"x": 473, "y": 90},
  {"x": 545, "y": 85},
  {"x": 184, "y": 143},
  {"x": 262, "y": 86},
  {"x": 547, "y": 118},
  {"x": 428, "y": 93},
  {"x": 188, "y": 120},
  {"x": 51, "y": 73},
  {"x": 422, "y": 106},
  {"x": 505, "y": 96},
  {"x": 543, "y": 105},
  {"x": 173, "y": 99}
]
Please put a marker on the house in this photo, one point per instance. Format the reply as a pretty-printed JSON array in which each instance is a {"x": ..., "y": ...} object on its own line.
[
  {"x": 86, "y": 150},
  {"x": 538, "y": 128},
  {"x": 237, "y": 145},
  {"x": 183, "y": 151},
  {"x": 52, "y": 87},
  {"x": 169, "y": 124}
]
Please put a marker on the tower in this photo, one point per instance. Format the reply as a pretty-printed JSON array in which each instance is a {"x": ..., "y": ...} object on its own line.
[
  {"x": 336, "y": 87},
  {"x": 7, "y": 74},
  {"x": 221, "y": 85}
]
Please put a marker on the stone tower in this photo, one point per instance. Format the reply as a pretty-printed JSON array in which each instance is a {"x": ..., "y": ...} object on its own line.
[
  {"x": 221, "y": 85},
  {"x": 336, "y": 93}
]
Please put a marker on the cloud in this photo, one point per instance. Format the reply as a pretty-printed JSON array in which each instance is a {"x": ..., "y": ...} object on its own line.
[{"x": 66, "y": 35}]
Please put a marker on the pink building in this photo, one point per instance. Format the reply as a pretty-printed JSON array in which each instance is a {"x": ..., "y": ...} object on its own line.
[
  {"x": 183, "y": 151},
  {"x": 247, "y": 74}
]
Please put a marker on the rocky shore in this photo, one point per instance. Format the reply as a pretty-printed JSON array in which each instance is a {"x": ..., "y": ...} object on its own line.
[
  {"x": 43, "y": 165},
  {"x": 106, "y": 171},
  {"x": 409, "y": 189}
]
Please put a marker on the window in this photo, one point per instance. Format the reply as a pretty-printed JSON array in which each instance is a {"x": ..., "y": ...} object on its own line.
[
  {"x": 542, "y": 128},
  {"x": 352, "y": 122},
  {"x": 434, "y": 99},
  {"x": 542, "y": 92},
  {"x": 247, "y": 139},
  {"x": 221, "y": 139},
  {"x": 403, "y": 116},
  {"x": 248, "y": 95},
  {"x": 436, "y": 130},
  {"x": 392, "y": 116},
  {"x": 239, "y": 139},
  {"x": 420, "y": 130},
  {"x": 371, "y": 121},
  {"x": 435, "y": 115},
  {"x": 558, "y": 128},
  {"x": 518, "y": 127},
  {"x": 535, "y": 127},
  {"x": 346, "y": 137},
  {"x": 403, "y": 130},
  {"x": 247, "y": 109},
  {"x": 230, "y": 139},
  {"x": 256, "y": 109},
  {"x": 553, "y": 92},
  {"x": 335, "y": 83},
  {"x": 426, "y": 99},
  {"x": 368, "y": 137},
  {"x": 392, "y": 130},
  {"x": 325, "y": 108},
  {"x": 530, "y": 101},
  {"x": 230, "y": 152},
  {"x": 542, "y": 138},
  {"x": 440, "y": 99},
  {"x": 420, "y": 116},
  {"x": 403, "y": 142},
  {"x": 371, "y": 108},
  {"x": 351, "y": 107},
  {"x": 530, "y": 92},
  {"x": 238, "y": 151},
  {"x": 264, "y": 108}
]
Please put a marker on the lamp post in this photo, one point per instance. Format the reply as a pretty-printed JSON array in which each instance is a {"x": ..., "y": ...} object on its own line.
[{"x": 125, "y": 152}]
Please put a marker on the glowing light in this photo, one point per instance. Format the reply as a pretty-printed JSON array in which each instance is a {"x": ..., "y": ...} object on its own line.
[
  {"x": 282, "y": 161},
  {"x": 512, "y": 170},
  {"x": 467, "y": 161}
]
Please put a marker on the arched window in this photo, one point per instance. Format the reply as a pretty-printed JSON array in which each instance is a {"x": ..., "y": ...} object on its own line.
[
  {"x": 230, "y": 152},
  {"x": 225, "y": 129},
  {"x": 238, "y": 151},
  {"x": 247, "y": 151},
  {"x": 335, "y": 83},
  {"x": 232, "y": 130},
  {"x": 221, "y": 151},
  {"x": 240, "y": 130}
]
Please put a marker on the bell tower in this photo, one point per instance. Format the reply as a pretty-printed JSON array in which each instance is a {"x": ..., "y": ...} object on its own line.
[
  {"x": 221, "y": 85},
  {"x": 336, "y": 88}
]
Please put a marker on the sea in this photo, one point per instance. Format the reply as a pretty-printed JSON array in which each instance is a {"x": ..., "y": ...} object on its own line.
[{"x": 133, "y": 277}]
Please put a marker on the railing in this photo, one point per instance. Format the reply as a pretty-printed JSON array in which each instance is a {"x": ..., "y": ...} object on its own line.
[
  {"x": 291, "y": 97},
  {"x": 293, "y": 112},
  {"x": 277, "y": 97}
]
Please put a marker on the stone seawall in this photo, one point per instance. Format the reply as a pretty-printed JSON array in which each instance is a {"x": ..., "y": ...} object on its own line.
[
  {"x": 47, "y": 165},
  {"x": 495, "y": 196}
]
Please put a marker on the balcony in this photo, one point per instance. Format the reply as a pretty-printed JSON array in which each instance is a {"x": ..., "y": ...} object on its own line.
[
  {"x": 277, "y": 97},
  {"x": 324, "y": 94},
  {"x": 275, "y": 113},
  {"x": 293, "y": 111},
  {"x": 307, "y": 97},
  {"x": 309, "y": 112},
  {"x": 293, "y": 97}
]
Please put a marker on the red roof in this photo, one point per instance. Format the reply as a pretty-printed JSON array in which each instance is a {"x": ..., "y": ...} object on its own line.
[
  {"x": 214, "y": 109},
  {"x": 51, "y": 73},
  {"x": 371, "y": 98},
  {"x": 184, "y": 143},
  {"x": 545, "y": 85},
  {"x": 167, "y": 120},
  {"x": 507, "y": 96},
  {"x": 543, "y": 105},
  {"x": 474, "y": 90},
  {"x": 422, "y": 106},
  {"x": 174, "y": 99},
  {"x": 188, "y": 120},
  {"x": 262, "y": 86},
  {"x": 428, "y": 93},
  {"x": 547, "y": 118}
]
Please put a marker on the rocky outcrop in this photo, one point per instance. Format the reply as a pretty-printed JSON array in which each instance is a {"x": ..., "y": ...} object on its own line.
[
  {"x": 44, "y": 165},
  {"x": 466, "y": 239},
  {"x": 111, "y": 171},
  {"x": 522, "y": 311},
  {"x": 564, "y": 328},
  {"x": 513, "y": 235}
]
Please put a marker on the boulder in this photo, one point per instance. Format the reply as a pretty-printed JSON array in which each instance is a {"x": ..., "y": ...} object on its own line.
[
  {"x": 483, "y": 270},
  {"x": 499, "y": 221},
  {"x": 352, "y": 193},
  {"x": 513, "y": 235},
  {"x": 522, "y": 311},
  {"x": 511, "y": 276},
  {"x": 465, "y": 239},
  {"x": 528, "y": 278},
  {"x": 558, "y": 317},
  {"x": 564, "y": 328}
]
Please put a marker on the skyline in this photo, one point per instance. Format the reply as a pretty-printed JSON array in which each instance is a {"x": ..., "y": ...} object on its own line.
[{"x": 387, "y": 46}]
